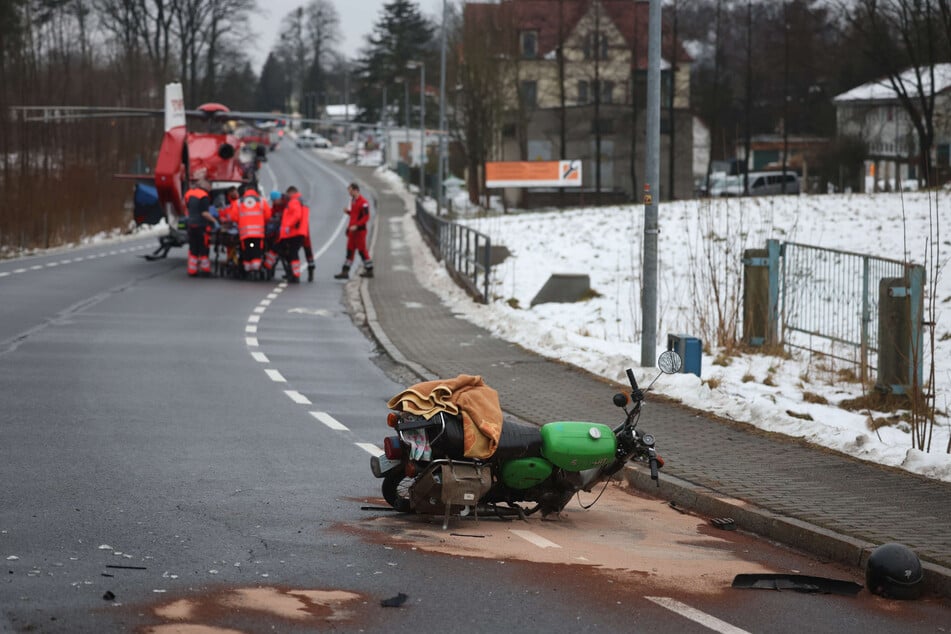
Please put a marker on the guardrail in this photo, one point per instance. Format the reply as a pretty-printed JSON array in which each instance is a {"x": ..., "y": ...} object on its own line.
[{"x": 465, "y": 252}]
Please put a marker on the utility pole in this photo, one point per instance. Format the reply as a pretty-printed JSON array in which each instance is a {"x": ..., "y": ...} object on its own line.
[
  {"x": 440, "y": 175},
  {"x": 651, "y": 180},
  {"x": 422, "y": 123},
  {"x": 386, "y": 128}
]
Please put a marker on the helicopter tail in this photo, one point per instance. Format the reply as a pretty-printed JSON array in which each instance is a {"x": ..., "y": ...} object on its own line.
[{"x": 174, "y": 106}]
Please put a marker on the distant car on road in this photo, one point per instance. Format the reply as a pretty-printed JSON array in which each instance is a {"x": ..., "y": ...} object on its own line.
[{"x": 310, "y": 139}]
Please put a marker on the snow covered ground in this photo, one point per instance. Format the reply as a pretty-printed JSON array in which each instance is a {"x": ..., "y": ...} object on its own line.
[{"x": 775, "y": 393}]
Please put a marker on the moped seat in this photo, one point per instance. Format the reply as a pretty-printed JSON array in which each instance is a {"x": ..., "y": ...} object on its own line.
[{"x": 518, "y": 440}]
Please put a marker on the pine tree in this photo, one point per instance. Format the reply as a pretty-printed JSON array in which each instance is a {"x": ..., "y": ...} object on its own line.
[
  {"x": 273, "y": 86},
  {"x": 401, "y": 34}
]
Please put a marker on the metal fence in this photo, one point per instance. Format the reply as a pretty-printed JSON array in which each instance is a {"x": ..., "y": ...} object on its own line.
[
  {"x": 466, "y": 252},
  {"x": 829, "y": 301}
]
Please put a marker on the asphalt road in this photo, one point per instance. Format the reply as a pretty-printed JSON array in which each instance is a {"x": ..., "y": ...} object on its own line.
[{"x": 178, "y": 453}]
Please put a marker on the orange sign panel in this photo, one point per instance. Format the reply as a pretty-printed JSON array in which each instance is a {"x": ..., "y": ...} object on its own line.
[{"x": 533, "y": 174}]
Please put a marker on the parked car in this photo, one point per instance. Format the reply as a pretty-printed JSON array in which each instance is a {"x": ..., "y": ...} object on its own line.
[
  {"x": 771, "y": 183},
  {"x": 722, "y": 185}
]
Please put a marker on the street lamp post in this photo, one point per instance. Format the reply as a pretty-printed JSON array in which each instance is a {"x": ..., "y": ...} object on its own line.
[
  {"x": 386, "y": 127},
  {"x": 422, "y": 125},
  {"x": 440, "y": 169}
]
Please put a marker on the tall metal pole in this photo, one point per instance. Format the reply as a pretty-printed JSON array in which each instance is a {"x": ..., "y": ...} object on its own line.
[
  {"x": 422, "y": 130},
  {"x": 386, "y": 128},
  {"x": 440, "y": 196},
  {"x": 651, "y": 181}
]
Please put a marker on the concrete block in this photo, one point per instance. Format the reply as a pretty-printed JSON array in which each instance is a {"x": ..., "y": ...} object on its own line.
[{"x": 563, "y": 287}]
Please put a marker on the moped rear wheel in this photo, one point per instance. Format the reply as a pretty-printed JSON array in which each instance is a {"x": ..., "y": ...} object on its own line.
[{"x": 396, "y": 490}]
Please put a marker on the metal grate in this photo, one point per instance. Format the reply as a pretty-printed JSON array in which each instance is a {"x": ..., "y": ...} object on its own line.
[{"x": 830, "y": 301}]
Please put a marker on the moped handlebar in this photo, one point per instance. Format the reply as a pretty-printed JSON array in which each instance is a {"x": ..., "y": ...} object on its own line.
[{"x": 636, "y": 394}]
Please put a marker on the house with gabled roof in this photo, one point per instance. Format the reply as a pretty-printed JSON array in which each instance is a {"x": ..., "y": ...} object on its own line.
[
  {"x": 873, "y": 113},
  {"x": 599, "y": 83}
]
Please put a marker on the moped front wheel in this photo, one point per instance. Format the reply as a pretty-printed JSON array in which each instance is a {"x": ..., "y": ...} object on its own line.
[{"x": 396, "y": 490}]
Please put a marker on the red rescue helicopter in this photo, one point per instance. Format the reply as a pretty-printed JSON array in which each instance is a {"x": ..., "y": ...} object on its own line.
[{"x": 214, "y": 154}]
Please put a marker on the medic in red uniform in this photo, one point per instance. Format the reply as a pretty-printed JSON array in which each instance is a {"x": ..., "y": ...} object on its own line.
[
  {"x": 253, "y": 214},
  {"x": 294, "y": 223},
  {"x": 359, "y": 211},
  {"x": 198, "y": 203}
]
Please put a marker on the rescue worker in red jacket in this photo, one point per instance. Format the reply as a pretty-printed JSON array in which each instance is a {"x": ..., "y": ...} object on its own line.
[
  {"x": 198, "y": 204},
  {"x": 253, "y": 214},
  {"x": 293, "y": 226},
  {"x": 359, "y": 211}
]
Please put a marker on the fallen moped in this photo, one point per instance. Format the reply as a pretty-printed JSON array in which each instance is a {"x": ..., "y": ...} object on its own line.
[{"x": 424, "y": 469}]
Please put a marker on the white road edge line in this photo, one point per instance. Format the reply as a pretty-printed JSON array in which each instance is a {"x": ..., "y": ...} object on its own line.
[
  {"x": 260, "y": 357},
  {"x": 297, "y": 397},
  {"x": 275, "y": 376},
  {"x": 373, "y": 450},
  {"x": 696, "y": 615},
  {"x": 329, "y": 421},
  {"x": 538, "y": 540}
]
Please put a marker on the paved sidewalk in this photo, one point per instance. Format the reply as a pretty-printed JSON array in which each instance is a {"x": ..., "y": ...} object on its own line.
[{"x": 831, "y": 505}]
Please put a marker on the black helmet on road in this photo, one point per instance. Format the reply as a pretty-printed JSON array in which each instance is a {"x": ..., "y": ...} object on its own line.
[{"x": 894, "y": 571}]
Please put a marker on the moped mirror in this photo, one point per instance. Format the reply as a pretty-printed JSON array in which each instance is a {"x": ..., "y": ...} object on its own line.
[
  {"x": 620, "y": 399},
  {"x": 670, "y": 362}
]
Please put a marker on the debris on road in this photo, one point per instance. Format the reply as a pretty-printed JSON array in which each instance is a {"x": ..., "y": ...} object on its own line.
[
  {"x": 394, "y": 602},
  {"x": 799, "y": 583}
]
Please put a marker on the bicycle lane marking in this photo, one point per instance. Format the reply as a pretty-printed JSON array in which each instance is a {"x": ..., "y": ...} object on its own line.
[{"x": 80, "y": 258}]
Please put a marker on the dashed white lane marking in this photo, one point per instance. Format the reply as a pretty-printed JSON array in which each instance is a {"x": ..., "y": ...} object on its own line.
[
  {"x": 275, "y": 376},
  {"x": 4, "y": 274},
  {"x": 265, "y": 302},
  {"x": 52, "y": 264},
  {"x": 297, "y": 397},
  {"x": 20, "y": 271},
  {"x": 272, "y": 296},
  {"x": 260, "y": 309},
  {"x": 329, "y": 421},
  {"x": 65, "y": 261},
  {"x": 36, "y": 267},
  {"x": 251, "y": 341},
  {"x": 371, "y": 449},
  {"x": 260, "y": 357},
  {"x": 696, "y": 615},
  {"x": 250, "y": 329},
  {"x": 253, "y": 319},
  {"x": 538, "y": 540}
]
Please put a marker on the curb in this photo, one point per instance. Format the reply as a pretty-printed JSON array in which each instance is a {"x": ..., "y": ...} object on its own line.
[{"x": 798, "y": 534}]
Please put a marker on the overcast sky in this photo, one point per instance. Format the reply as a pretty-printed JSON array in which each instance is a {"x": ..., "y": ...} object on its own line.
[{"x": 357, "y": 18}]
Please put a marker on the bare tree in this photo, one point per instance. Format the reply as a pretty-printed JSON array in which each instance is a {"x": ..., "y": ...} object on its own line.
[
  {"x": 482, "y": 98},
  {"x": 323, "y": 32}
]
